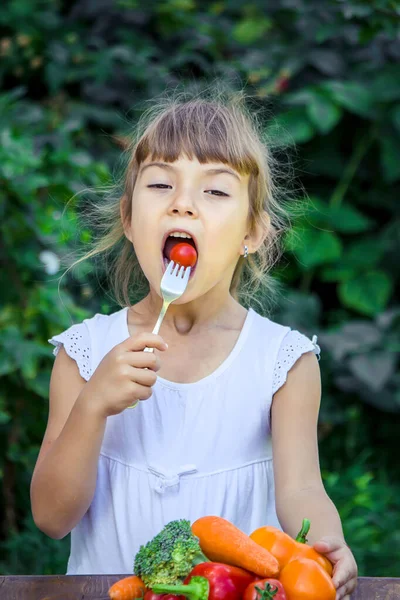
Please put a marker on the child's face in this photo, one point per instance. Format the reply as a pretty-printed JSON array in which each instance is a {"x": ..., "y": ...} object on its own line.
[{"x": 209, "y": 201}]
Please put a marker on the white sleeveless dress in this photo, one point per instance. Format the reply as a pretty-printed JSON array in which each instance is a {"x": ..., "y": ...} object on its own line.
[{"x": 192, "y": 449}]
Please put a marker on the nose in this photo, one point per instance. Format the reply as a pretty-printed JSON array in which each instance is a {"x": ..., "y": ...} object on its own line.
[{"x": 183, "y": 205}]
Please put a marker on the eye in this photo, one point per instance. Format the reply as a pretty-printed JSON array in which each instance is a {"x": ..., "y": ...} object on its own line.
[
  {"x": 217, "y": 193},
  {"x": 159, "y": 186}
]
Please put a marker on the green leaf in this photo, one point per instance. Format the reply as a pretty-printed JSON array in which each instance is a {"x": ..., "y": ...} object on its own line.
[
  {"x": 356, "y": 9},
  {"x": 338, "y": 273},
  {"x": 353, "y": 96},
  {"x": 374, "y": 369},
  {"x": 29, "y": 366},
  {"x": 251, "y": 29},
  {"x": 7, "y": 365},
  {"x": 313, "y": 247},
  {"x": 368, "y": 293},
  {"x": 365, "y": 253},
  {"x": 344, "y": 218},
  {"x": 323, "y": 113},
  {"x": 396, "y": 117},
  {"x": 358, "y": 256},
  {"x": 325, "y": 32},
  {"x": 4, "y": 418},
  {"x": 301, "y": 97},
  {"x": 172, "y": 6},
  {"x": 55, "y": 76},
  {"x": 80, "y": 159},
  {"x": 39, "y": 384},
  {"x": 386, "y": 85},
  {"x": 390, "y": 156},
  {"x": 291, "y": 127}
]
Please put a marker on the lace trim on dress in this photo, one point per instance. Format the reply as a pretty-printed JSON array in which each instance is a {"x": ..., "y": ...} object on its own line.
[
  {"x": 77, "y": 345},
  {"x": 294, "y": 345}
]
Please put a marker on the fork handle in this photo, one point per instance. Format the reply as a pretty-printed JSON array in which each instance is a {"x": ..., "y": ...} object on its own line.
[
  {"x": 156, "y": 329},
  {"x": 160, "y": 319}
]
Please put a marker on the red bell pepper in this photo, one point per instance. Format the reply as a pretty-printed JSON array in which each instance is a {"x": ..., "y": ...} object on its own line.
[
  {"x": 150, "y": 595},
  {"x": 211, "y": 581}
]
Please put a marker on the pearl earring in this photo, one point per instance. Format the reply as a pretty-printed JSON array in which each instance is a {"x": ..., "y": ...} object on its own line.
[{"x": 246, "y": 252}]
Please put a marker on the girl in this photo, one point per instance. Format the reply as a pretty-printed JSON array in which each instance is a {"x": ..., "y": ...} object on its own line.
[{"x": 227, "y": 422}]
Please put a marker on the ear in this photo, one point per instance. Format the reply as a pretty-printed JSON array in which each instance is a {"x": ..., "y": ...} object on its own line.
[
  {"x": 124, "y": 211},
  {"x": 255, "y": 238}
]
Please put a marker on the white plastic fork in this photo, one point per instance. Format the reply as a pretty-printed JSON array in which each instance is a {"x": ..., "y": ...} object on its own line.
[{"x": 173, "y": 284}]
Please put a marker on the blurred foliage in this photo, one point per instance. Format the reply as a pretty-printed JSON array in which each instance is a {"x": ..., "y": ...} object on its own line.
[{"x": 74, "y": 76}]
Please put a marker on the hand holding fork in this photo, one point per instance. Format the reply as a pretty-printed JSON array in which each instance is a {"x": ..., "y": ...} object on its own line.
[{"x": 173, "y": 285}]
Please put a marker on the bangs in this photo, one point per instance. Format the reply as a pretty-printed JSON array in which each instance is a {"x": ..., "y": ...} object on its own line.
[{"x": 201, "y": 130}]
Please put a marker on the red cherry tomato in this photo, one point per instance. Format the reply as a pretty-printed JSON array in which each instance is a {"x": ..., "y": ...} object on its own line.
[
  {"x": 184, "y": 254},
  {"x": 267, "y": 588}
]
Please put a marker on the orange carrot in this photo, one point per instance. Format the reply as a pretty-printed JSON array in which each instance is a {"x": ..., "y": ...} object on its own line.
[
  {"x": 222, "y": 542},
  {"x": 127, "y": 589}
]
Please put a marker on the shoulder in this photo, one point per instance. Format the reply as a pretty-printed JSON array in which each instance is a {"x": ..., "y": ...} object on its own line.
[
  {"x": 290, "y": 340},
  {"x": 267, "y": 335},
  {"x": 98, "y": 324},
  {"x": 290, "y": 346},
  {"x": 104, "y": 325}
]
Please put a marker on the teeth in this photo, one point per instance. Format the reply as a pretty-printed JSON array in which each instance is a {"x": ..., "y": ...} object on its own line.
[{"x": 180, "y": 234}]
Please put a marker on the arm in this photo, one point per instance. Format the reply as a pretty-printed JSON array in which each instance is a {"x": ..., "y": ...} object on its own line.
[
  {"x": 64, "y": 479},
  {"x": 299, "y": 490}
]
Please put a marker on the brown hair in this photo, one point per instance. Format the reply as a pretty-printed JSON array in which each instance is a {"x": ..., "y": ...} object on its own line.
[{"x": 212, "y": 129}]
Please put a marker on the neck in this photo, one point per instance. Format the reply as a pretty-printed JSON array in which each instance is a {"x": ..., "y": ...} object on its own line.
[{"x": 183, "y": 319}]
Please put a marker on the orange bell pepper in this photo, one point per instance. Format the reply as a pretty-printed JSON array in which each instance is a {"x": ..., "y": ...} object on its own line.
[
  {"x": 285, "y": 548},
  {"x": 279, "y": 544},
  {"x": 304, "y": 579}
]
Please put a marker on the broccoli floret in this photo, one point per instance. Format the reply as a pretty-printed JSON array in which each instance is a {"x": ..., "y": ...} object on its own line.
[{"x": 170, "y": 556}]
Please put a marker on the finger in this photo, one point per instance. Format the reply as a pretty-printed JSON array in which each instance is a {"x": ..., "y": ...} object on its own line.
[
  {"x": 341, "y": 575},
  {"x": 141, "y": 392},
  {"x": 144, "y": 340},
  {"x": 141, "y": 360},
  {"x": 343, "y": 593},
  {"x": 322, "y": 547},
  {"x": 142, "y": 376},
  {"x": 328, "y": 544},
  {"x": 348, "y": 588}
]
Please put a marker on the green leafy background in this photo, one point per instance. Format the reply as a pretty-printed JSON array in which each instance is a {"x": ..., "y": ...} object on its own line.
[{"x": 74, "y": 78}]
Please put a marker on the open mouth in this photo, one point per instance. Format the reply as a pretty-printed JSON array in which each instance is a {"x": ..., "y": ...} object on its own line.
[{"x": 169, "y": 245}]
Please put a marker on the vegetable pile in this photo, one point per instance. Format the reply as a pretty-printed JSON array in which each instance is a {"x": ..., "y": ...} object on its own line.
[{"x": 213, "y": 560}]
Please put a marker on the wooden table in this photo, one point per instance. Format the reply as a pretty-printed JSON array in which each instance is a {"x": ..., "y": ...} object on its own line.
[{"x": 95, "y": 587}]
